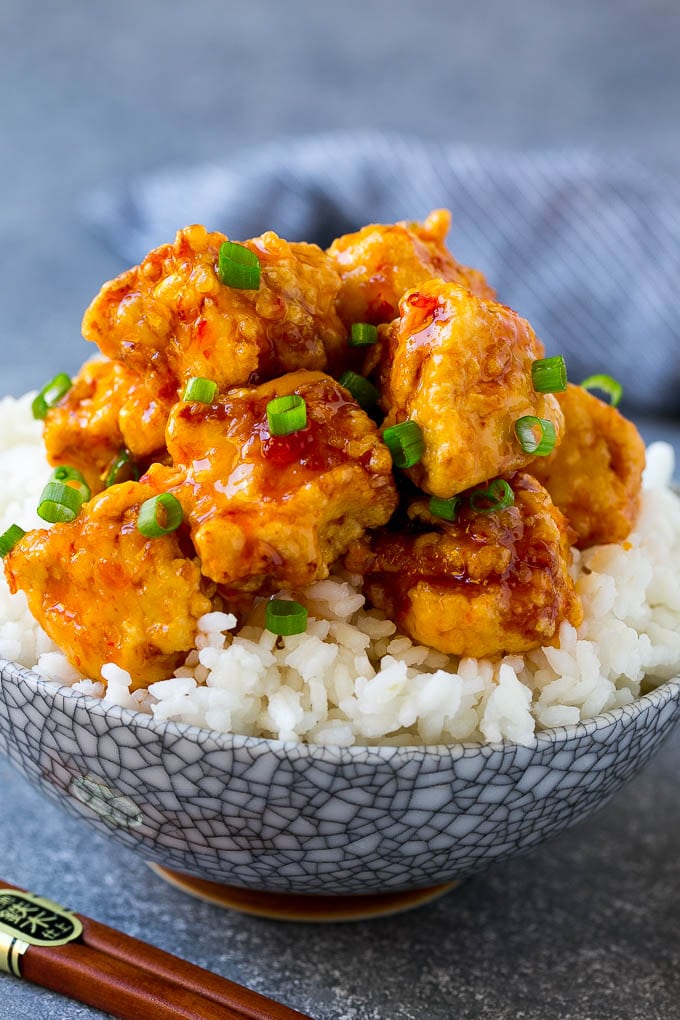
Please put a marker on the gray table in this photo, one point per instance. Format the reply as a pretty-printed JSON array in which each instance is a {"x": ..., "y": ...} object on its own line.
[{"x": 586, "y": 927}]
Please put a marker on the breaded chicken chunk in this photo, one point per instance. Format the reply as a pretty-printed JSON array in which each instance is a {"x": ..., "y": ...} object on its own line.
[
  {"x": 460, "y": 367},
  {"x": 82, "y": 430},
  {"x": 378, "y": 263},
  {"x": 105, "y": 593},
  {"x": 278, "y": 510},
  {"x": 172, "y": 317},
  {"x": 107, "y": 411},
  {"x": 482, "y": 585},
  {"x": 595, "y": 476},
  {"x": 144, "y": 415}
]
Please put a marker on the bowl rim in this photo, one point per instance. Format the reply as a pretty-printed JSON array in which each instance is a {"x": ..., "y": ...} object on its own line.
[{"x": 665, "y": 692}]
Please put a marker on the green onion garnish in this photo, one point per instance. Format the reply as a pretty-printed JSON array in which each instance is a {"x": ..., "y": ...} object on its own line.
[
  {"x": 606, "y": 384},
  {"x": 499, "y": 496},
  {"x": 535, "y": 435},
  {"x": 59, "y": 502},
  {"x": 72, "y": 476},
  {"x": 201, "y": 390},
  {"x": 405, "y": 443},
  {"x": 9, "y": 539},
  {"x": 51, "y": 394},
  {"x": 283, "y": 617},
  {"x": 363, "y": 391},
  {"x": 444, "y": 508},
  {"x": 363, "y": 334},
  {"x": 238, "y": 266},
  {"x": 123, "y": 469},
  {"x": 286, "y": 414},
  {"x": 549, "y": 375},
  {"x": 160, "y": 515}
]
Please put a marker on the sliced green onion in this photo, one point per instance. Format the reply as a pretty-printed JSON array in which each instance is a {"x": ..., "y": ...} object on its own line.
[
  {"x": 444, "y": 508},
  {"x": 363, "y": 334},
  {"x": 9, "y": 539},
  {"x": 238, "y": 266},
  {"x": 535, "y": 435},
  {"x": 123, "y": 469},
  {"x": 606, "y": 384},
  {"x": 286, "y": 414},
  {"x": 59, "y": 502},
  {"x": 549, "y": 375},
  {"x": 201, "y": 390},
  {"x": 405, "y": 443},
  {"x": 72, "y": 477},
  {"x": 51, "y": 394},
  {"x": 363, "y": 391},
  {"x": 283, "y": 617},
  {"x": 499, "y": 496},
  {"x": 160, "y": 515}
]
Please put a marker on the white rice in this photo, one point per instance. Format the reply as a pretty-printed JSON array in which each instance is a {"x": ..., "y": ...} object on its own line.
[{"x": 351, "y": 678}]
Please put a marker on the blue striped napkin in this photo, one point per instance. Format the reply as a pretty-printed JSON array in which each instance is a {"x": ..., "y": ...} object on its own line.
[{"x": 586, "y": 247}]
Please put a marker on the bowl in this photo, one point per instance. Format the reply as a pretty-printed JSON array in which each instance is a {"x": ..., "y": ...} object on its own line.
[{"x": 229, "y": 816}]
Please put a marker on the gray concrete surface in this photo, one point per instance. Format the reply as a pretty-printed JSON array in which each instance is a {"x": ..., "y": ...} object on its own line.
[
  {"x": 92, "y": 94},
  {"x": 585, "y": 928}
]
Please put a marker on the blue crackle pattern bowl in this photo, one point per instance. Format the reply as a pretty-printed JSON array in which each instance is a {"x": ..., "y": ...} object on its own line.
[{"x": 283, "y": 817}]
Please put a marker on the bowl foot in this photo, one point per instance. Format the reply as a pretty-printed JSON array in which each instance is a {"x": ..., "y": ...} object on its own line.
[{"x": 302, "y": 907}]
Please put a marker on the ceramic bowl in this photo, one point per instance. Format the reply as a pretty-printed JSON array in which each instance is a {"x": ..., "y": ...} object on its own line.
[{"x": 271, "y": 816}]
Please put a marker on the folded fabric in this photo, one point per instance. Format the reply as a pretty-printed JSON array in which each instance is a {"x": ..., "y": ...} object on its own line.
[{"x": 586, "y": 247}]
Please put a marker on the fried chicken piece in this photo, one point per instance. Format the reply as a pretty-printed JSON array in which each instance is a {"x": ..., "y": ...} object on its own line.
[
  {"x": 105, "y": 593},
  {"x": 483, "y": 585},
  {"x": 460, "y": 367},
  {"x": 82, "y": 430},
  {"x": 595, "y": 476},
  {"x": 171, "y": 317},
  {"x": 144, "y": 415},
  {"x": 279, "y": 508},
  {"x": 378, "y": 263},
  {"x": 108, "y": 410}
]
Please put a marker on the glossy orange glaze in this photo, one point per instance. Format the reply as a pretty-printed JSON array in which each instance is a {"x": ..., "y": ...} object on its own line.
[
  {"x": 484, "y": 585},
  {"x": 460, "y": 367},
  {"x": 105, "y": 593},
  {"x": 595, "y": 477},
  {"x": 266, "y": 509}
]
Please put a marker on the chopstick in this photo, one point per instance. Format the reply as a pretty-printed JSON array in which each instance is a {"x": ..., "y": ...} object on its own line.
[
  {"x": 133, "y": 980},
  {"x": 127, "y": 992},
  {"x": 251, "y": 1005}
]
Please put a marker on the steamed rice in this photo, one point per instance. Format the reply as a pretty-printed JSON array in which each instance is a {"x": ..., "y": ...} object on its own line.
[{"x": 352, "y": 678}]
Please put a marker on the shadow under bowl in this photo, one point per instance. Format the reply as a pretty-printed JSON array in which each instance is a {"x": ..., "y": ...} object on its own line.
[{"x": 277, "y": 817}]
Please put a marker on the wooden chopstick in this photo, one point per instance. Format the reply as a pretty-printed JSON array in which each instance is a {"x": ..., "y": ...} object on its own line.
[
  {"x": 251, "y": 1005},
  {"x": 136, "y": 981},
  {"x": 125, "y": 991}
]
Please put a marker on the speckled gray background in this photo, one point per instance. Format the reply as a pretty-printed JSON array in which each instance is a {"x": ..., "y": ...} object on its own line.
[
  {"x": 91, "y": 94},
  {"x": 583, "y": 929}
]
